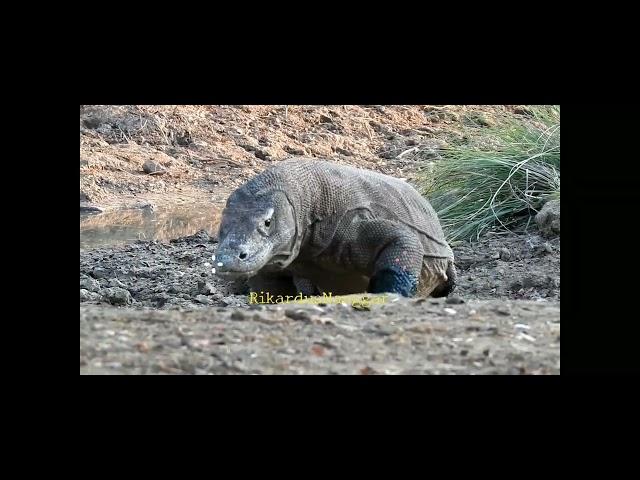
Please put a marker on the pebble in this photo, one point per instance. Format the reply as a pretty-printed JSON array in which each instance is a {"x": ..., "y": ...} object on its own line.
[
  {"x": 454, "y": 300},
  {"x": 504, "y": 254},
  {"x": 298, "y": 315},
  {"x": 524, "y": 336},
  {"x": 203, "y": 299},
  {"x": 99, "y": 272},
  {"x": 89, "y": 284},
  {"x": 117, "y": 296},
  {"x": 114, "y": 282},
  {"x": 86, "y": 295},
  {"x": 153, "y": 168},
  {"x": 238, "y": 315},
  {"x": 206, "y": 288},
  {"x": 450, "y": 311}
]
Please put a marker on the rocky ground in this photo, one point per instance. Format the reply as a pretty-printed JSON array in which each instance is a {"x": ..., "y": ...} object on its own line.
[
  {"x": 154, "y": 307},
  {"x": 178, "y": 274},
  {"x": 407, "y": 336}
]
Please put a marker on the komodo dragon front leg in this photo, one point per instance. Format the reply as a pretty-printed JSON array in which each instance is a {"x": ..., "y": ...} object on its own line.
[{"x": 391, "y": 253}]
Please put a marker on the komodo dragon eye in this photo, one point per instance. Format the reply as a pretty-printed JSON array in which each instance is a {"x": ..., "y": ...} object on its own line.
[{"x": 268, "y": 217}]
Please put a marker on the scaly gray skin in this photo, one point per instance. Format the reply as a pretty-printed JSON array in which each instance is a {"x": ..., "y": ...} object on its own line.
[{"x": 311, "y": 226}]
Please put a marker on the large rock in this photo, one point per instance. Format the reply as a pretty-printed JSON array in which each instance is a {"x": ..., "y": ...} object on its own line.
[{"x": 548, "y": 219}]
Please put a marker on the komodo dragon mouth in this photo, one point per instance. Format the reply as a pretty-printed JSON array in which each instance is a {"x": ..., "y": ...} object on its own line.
[{"x": 275, "y": 261}]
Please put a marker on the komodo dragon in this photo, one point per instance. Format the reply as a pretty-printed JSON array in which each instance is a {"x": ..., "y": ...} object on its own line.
[{"x": 308, "y": 226}]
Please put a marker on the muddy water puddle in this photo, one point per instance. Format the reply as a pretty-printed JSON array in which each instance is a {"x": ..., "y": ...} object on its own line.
[{"x": 120, "y": 227}]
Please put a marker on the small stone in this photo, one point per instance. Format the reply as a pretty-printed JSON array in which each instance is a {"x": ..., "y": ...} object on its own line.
[
  {"x": 87, "y": 296},
  {"x": 450, "y": 311},
  {"x": 505, "y": 254},
  {"x": 88, "y": 208},
  {"x": 524, "y": 336},
  {"x": 318, "y": 350},
  {"x": 454, "y": 300},
  {"x": 160, "y": 299},
  {"x": 300, "y": 315},
  {"x": 117, "y": 296},
  {"x": 534, "y": 280},
  {"x": 203, "y": 299},
  {"x": 361, "y": 306},
  {"x": 238, "y": 315},
  {"x": 323, "y": 321},
  {"x": 100, "y": 272},
  {"x": 548, "y": 219},
  {"x": 384, "y": 330},
  {"x": 293, "y": 150},
  {"x": 153, "y": 168},
  {"x": 89, "y": 284},
  {"x": 206, "y": 288},
  {"x": 114, "y": 282},
  {"x": 523, "y": 110}
]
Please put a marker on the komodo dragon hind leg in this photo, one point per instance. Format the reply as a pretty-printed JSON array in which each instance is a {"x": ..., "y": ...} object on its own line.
[
  {"x": 446, "y": 288},
  {"x": 391, "y": 251}
]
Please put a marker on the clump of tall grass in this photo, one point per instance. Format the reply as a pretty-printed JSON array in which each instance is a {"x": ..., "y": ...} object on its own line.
[{"x": 499, "y": 182}]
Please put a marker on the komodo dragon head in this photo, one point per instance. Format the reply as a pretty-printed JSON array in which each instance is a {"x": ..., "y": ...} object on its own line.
[{"x": 257, "y": 230}]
